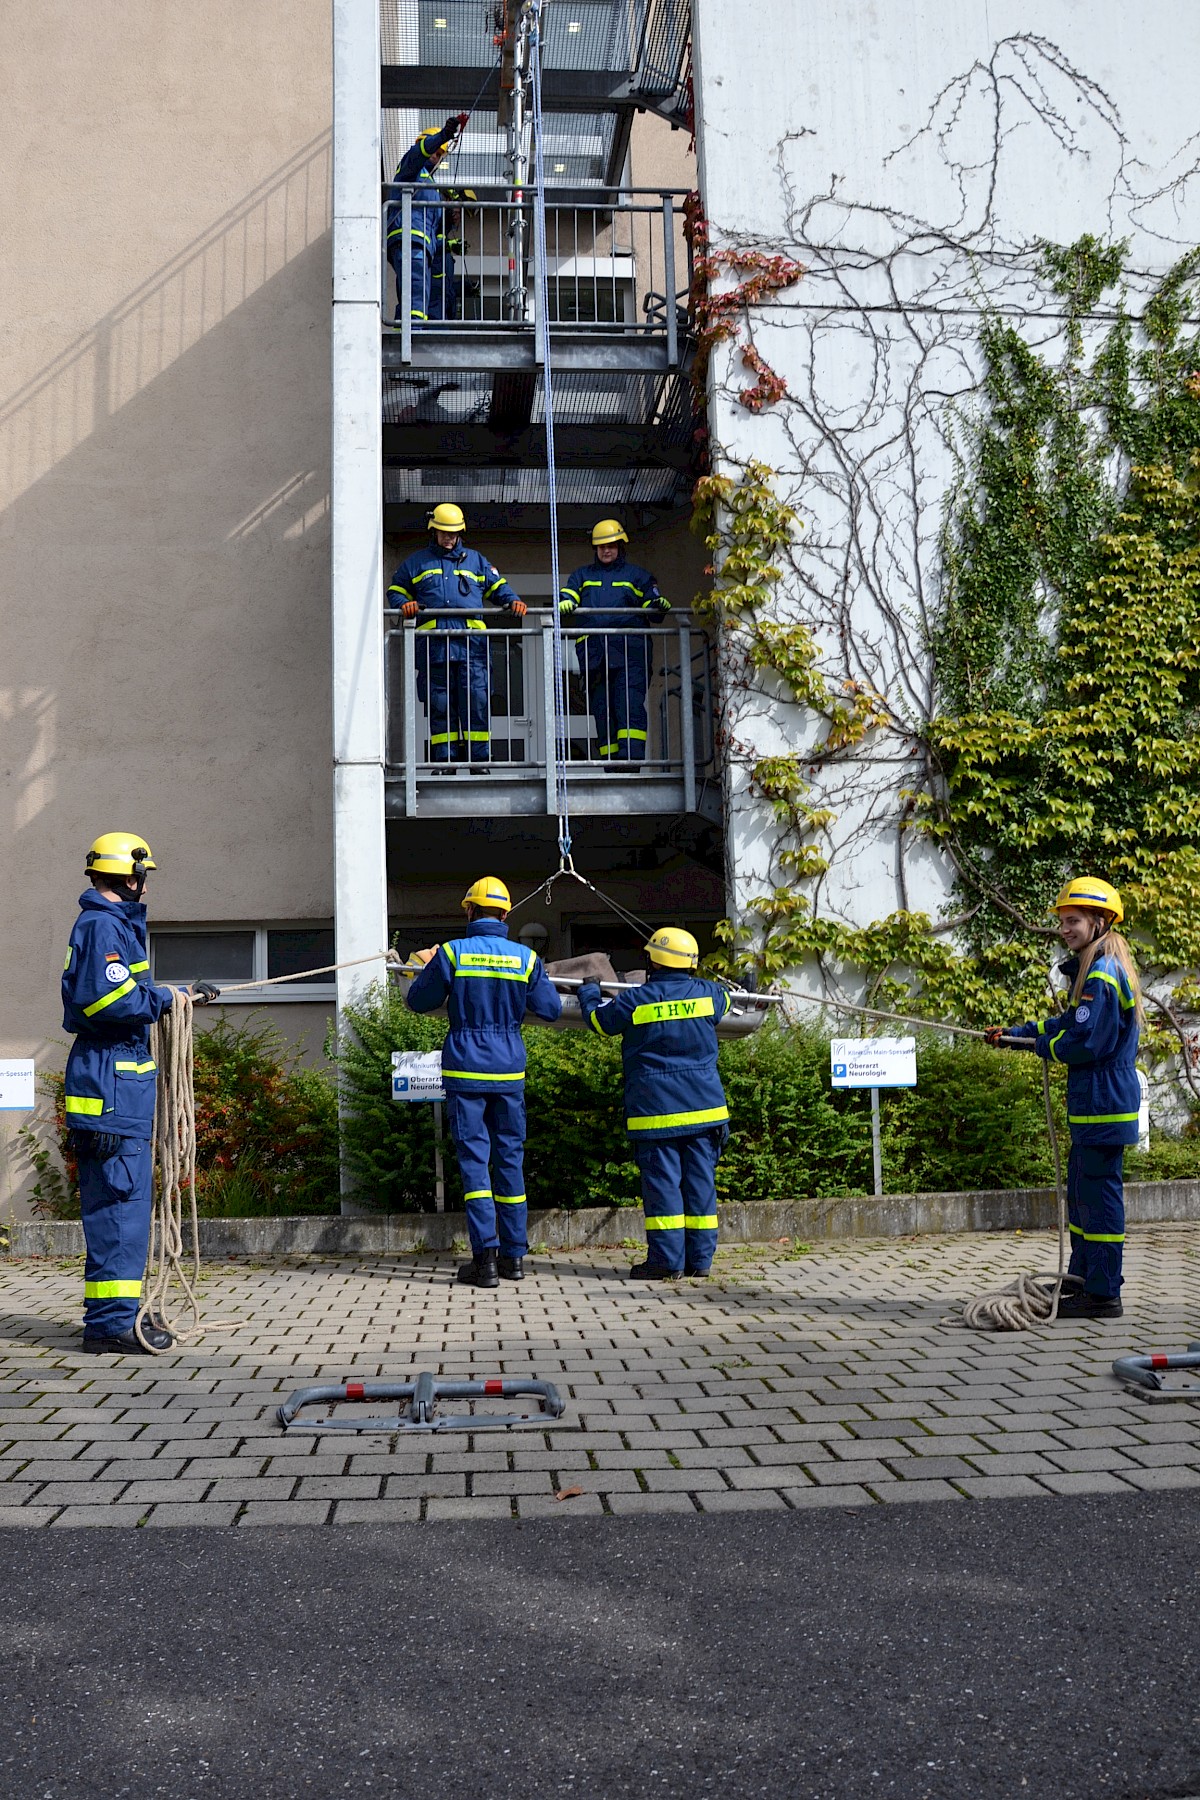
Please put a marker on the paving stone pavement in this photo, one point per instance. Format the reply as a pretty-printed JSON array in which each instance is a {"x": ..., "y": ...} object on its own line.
[{"x": 794, "y": 1379}]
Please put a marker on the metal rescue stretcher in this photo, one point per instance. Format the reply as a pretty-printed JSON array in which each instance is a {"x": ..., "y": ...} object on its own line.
[
  {"x": 423, "y": 1395},
  {"x": 1143, "y": 1374}
]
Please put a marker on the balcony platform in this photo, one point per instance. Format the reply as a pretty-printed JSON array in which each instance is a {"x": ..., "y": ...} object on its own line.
[{"x": 593, "y": 793}]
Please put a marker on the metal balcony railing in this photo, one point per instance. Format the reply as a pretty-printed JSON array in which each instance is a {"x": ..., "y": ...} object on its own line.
[
  {"x": 618, "y": 270},
  {"x": 657, "y": 750}
]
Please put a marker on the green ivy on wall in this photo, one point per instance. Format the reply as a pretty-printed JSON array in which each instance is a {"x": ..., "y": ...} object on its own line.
[{"x": 1066, "y": 652}]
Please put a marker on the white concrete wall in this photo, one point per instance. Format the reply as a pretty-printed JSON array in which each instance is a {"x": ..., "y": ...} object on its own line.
[{"x": 910, "y": 154}]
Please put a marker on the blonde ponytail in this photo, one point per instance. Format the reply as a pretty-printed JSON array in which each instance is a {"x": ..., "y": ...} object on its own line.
[{"x": 1110, "y": 943}]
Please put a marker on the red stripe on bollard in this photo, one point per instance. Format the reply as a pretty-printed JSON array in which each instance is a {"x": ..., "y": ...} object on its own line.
[
  {"x": 493, "y": 1387},
  {"x": 355, "y": 1390},
  {"x": 1160, "y": 1362}
]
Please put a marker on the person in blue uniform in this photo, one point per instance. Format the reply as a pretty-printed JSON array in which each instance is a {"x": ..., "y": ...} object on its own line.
[
  {"x": 1096, "y": 1037},
  {"x": 448, "y": 287},
  {"x": 488, "y": 984},
  {"x": 676, "y": 1116},
  {"x": 453, "y": 671},
  {"x": 110, "y": 1003},
  {"x": 425, "y": 247},
  {"x": 616, "y": 669}
]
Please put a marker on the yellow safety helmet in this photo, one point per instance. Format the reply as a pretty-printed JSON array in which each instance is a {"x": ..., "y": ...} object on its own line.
[
  {"x": 1090, "y": 894},
  {"x": 487, "y": 891},
  {"x": 674, "y": 949},
  {"x": 116, "y": 852},
  {"x": 447, "y": 517},
  {"x": 609, "y": 531}
]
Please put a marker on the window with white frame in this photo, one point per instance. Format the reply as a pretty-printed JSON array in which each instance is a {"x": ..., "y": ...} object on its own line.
[{"x": 232, "y": 955}]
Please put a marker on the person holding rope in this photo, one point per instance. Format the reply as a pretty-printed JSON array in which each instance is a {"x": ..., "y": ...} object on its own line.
[
  {"x": 488, "y": 984},
  {"x": 676, "y": 1116},
  {"x": 110, "y": 1003},
  {"x": 1096, "y": 1036}
]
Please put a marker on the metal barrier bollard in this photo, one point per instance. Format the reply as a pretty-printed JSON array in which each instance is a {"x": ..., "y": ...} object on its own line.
[{"x": 1143, "y": 1374}]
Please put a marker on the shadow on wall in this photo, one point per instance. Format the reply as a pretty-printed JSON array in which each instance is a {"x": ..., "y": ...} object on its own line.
[
  {"x": 164, "y": 553},
  {"x": 134, "y": 343}
]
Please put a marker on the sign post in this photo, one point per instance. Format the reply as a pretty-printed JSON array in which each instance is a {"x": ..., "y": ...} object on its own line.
[
  {"x": 417, "y": 1076},
  {"x": 17, "y": 1085},
  {"x": 874, "y": 1063}
]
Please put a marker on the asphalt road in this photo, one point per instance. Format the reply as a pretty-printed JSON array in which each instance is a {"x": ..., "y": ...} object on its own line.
[{"x": 1034, "y": 1648}]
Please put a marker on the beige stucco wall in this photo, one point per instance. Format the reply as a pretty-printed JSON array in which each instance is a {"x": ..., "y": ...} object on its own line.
[{"x": 164, "y": 482}]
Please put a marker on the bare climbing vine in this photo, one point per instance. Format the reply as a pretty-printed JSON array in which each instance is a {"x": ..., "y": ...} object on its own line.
[{"x": 974, "y": 669}]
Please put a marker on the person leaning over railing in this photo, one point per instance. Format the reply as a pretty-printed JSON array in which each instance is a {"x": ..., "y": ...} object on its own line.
[
  {"x": 616, "y": 669},
  {"x": 453, "y": 673},
  {"x": 425, "y": 247},
  {"x": 1096, "y": 1036}
]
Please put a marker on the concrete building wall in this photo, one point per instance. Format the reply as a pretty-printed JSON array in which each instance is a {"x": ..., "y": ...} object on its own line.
[
  {"x": 911, "y": 156},
  {"x": 164, "y": 431}
]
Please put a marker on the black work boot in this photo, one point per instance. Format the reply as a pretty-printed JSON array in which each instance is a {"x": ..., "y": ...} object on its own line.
[
  {"x": 645, "y": 1271},
  {"x": 481, "y": 1271},
  {"x": 127, "y": 1343},
  {"x": 1090, "y": 1306},
  {"x": 511, "y": 1268}
]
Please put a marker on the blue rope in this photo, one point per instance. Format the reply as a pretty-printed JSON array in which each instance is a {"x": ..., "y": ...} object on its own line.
[{"x": 539, "y": 175}]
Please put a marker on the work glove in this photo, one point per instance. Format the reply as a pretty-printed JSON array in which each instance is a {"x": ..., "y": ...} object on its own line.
[
  {"x": 590, "y": 995},
  {"x": 456, "y": 122},
  {"x": 518, "y": 609},
  {"x": 566, "y": 607},
  {"x": 204, "y": 993},
  {"x": 993, "y": 1034},
  {"x": 410, "y": 609}
]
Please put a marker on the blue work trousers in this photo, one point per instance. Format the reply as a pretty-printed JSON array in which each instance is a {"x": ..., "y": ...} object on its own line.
[
  {"x": 489, "y": 1136},
  {"x": 420, "y": 256},
  {"x": 116, "y": 1190},
  {"x": 617, "y": 671},
  {"x": 1096, "y": 1211},
  {"x": 453, "y": 679},
  {"x": 679, "y": 1197}
]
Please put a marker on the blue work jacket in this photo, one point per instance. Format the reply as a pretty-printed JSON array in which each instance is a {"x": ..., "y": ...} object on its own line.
[
  {"x": 110, "y": 1003},
  {"x": 1097, "y": 1039},
  {"x": 668, "y": 1032},
  {"x": 488, "y": 984},
  {"x": 428, "y": 222},
  {"x": 459, "y": 578},
  {"x": 609, "y": 592}
]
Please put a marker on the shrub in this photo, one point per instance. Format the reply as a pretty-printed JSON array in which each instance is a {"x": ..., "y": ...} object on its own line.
[
  {"x": 977, "y": 1120},
  {"x": 266, "y": 1132}
]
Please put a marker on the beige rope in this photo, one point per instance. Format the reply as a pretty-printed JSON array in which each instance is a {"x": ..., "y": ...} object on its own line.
[{"x": 175, "y": 1163}]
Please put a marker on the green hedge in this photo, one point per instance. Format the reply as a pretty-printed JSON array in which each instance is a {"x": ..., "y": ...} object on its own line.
[{"x": 977, "y": 1120}]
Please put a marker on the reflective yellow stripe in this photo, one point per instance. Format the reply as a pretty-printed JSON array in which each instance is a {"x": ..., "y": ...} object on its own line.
[
  {"x": 486, "y": 959},
  {"x": 1099, "y": 975},
  {"x": 1101, "y": 1118},
  {"x": 1099, "y": 1237},
  {"x": 1056, "y": 1040},
  {"x": 451, "y": 955},
  {"x": 138, "y": 968},
  {"x": 673, "y": 1009},
  {"x": 665, "y": 1222},
  {"x": 570, "y": 591},
  {"x": 426, "y": 574},
  {"x": 626, "y": 584},
  {"x": 510, "y": 1199},
  {"x": 126, "y": 987},
  {"x": 499, "y": 582},
  {"x": 715, "y": 1115},
  {"x": 470, "y": 1075},
  {"x": 86, "y": 1108},
  {"x": 478, "y": 1194},
  {"x": 597, "y": 1026},
  {"x": 700, "y": 1221},
  {"x": 640, "y": 735},
  {"x": 608, "y": 749},
  {"x": 112, "y": 1290},
  {"x": 475, "y": 737},
  {"x": 442, "y": 737},
  {"x": 135, "y": 1068},
  {"x": 67, "y": 964}
]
